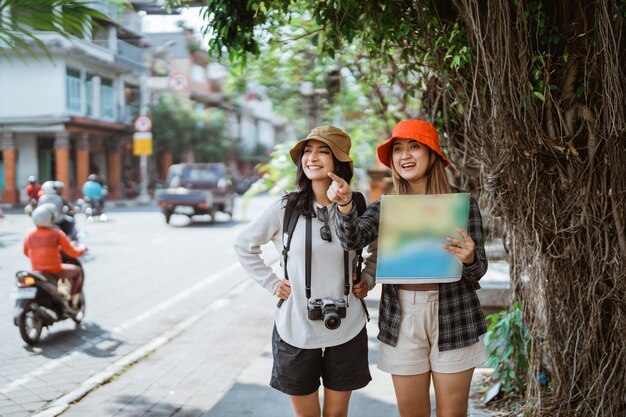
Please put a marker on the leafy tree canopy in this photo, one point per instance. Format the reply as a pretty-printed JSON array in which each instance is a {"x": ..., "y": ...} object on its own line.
[
  {"x": 20, "y": 19},
  {"x": 180, "y": 127}
]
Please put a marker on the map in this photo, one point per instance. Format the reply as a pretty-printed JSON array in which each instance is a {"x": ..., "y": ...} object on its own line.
[{"x": 413, "y": 230}]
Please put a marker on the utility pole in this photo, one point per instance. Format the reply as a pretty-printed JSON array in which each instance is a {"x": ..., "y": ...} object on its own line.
[{"x": 143, "y": 197}]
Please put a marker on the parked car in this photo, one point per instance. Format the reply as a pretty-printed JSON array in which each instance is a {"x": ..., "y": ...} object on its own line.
[{"x": 197, "y": 189}]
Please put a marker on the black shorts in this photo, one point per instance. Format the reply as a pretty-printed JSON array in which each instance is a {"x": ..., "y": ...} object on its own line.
[{"x": 342, "y": 368}]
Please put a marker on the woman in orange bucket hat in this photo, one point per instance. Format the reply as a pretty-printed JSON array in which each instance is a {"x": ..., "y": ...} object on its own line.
[{"x": 426, "y": 330}]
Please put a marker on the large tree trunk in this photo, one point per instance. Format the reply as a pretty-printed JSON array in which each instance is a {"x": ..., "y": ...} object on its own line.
[{"x": 555, "y": 172}]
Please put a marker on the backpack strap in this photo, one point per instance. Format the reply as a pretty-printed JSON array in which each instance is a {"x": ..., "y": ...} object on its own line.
[
  {"x": 358, "y": 200},
  {"x": 290, "y": 220},
  {"x": 289, "y": 225}
]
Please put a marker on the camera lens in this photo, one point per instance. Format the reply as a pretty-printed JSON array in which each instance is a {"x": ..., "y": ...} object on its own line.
[{"x": 331, "y": 319}]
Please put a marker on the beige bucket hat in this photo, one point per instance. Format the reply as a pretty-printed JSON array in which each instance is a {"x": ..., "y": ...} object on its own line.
[{"x": 338, "y": 141}]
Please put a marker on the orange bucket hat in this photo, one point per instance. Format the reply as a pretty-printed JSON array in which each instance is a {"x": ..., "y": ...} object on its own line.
[{"x": 418, "y": 130}]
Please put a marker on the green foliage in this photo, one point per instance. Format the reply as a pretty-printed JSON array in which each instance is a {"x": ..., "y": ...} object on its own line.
[
  {"x": 452, "y": 37},
  {"x": 507, "y": 339},
  {"x": 289, "y": 58},
  {"x": 19, "y": 19},
  {"x": 179, "y": 127},
  {"x": 278, "y": 175}
]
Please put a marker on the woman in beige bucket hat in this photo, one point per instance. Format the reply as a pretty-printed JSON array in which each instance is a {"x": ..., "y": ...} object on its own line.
[{"x": 307, "y": 348}]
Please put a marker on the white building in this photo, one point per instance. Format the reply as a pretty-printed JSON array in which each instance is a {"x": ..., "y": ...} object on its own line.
[{"x": 68, "y": 115}]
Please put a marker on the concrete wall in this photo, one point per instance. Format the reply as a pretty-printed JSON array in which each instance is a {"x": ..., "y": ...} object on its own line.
[
  {"x": 36, "y": 88},
  {"x": 32, "y": 88}
]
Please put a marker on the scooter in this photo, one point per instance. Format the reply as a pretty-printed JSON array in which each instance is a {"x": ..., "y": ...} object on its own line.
[
  {"x": 68, "y": 225},
  {"x": 94, "y": 210},
  {"x": 32, "y": 205},
  {"x": 42, "y": 299}
]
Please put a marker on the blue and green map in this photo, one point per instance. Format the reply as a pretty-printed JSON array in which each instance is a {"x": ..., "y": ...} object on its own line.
[{"x": 413, "y": 230}]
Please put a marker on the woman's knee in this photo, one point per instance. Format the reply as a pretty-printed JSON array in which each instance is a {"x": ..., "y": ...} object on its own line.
[
  {"x": 336, "y": 403},
  {"x": 412, "y": 412},
  {"x": 452, "y": 413},
  {"x": 335, "y": 412}
]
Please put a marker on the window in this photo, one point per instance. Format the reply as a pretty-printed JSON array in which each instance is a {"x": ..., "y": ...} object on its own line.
[
  {"x": 73, "y": 90},
  {"x": 131, "y": 98},
  {"x": 89, "y": 85},
  {"x": 107, "y": 99},
  {"x": 198, "y": 174}
]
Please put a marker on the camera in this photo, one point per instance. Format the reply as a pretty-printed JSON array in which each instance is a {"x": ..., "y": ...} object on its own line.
[{"x": 328, "y": 309}]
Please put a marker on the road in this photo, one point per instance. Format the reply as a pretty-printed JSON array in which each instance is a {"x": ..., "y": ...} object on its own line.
[{"x": 143, "y": 279}]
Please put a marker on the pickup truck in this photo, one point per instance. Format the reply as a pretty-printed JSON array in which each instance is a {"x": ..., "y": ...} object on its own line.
[{"x": 197, "y": 189}]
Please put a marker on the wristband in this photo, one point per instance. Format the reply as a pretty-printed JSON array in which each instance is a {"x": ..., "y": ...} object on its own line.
[{"x": 343, "y": 205}]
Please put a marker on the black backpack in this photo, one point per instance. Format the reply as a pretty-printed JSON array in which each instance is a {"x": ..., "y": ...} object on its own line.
[{"x": 289, "y": 225}]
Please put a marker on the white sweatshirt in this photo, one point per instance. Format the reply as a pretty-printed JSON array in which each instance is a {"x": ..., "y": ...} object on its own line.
[{"x": 327, "y": 277}]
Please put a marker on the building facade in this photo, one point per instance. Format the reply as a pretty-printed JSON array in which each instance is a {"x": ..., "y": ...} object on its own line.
[{"x": 69, "y": 114}]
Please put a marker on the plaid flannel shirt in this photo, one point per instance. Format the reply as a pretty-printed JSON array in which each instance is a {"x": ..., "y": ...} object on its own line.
[{"x": 461, "y": 319}]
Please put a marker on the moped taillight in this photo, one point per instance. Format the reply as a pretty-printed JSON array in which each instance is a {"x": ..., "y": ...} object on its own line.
[{"x": 25, "y": 281}]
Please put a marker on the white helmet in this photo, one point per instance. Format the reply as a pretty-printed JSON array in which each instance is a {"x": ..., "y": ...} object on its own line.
[
  {"x": 44, "y": 215},
  {"x": 32, "y": 179},
  {"x": 59, "y": 186},
  {"x": 48, "y": 187}
]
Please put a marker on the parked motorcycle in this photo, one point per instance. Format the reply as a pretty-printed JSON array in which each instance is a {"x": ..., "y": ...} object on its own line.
[{"x": 43, "y": 299}]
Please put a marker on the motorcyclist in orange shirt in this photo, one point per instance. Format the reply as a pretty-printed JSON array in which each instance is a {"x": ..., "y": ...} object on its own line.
[{"x": 43, "y": 245}]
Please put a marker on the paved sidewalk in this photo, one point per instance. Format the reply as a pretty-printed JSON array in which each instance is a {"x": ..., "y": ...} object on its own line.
[{"x": 201, "y": 373}]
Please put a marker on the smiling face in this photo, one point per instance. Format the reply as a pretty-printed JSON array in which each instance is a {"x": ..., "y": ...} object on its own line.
[
  {"x": 410, "y": 159},
  {"x": 317, "y": 160}
]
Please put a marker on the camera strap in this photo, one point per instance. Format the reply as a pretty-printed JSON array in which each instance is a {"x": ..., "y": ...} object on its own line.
[
  {"x": 307, "y": 267},
  {"x": 307, "y": 257},
  {"x": 290, "y": 220}
]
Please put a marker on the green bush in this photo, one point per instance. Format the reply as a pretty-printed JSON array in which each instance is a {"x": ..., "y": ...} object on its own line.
[{"x": 507, "y": 343}]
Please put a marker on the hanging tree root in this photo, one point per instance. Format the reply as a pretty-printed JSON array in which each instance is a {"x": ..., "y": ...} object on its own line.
[{"x": 550, "y": 151}]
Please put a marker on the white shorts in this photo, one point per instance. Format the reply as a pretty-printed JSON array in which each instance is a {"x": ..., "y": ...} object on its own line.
[{"x": 417, "y": 350}]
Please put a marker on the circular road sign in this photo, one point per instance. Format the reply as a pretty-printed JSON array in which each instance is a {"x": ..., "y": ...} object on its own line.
[
  {"x": 178, "y": 82},
  {"x": 143, "y": 124}
]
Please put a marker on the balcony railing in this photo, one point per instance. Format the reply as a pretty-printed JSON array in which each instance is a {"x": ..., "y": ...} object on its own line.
[
  {"x": 131, "y": 20},
  {"x": 129, "y": 113},
  {"x": 130, "y": 56}
]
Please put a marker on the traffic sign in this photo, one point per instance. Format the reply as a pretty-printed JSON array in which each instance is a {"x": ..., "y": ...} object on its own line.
[
  {"x": 143, "y": 124},
  {"x": 142, "y": 143},
  {"x": 178, "y": 82}
]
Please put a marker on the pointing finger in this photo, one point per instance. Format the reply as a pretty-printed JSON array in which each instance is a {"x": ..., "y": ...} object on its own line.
[{"x": 340, "y": 181}]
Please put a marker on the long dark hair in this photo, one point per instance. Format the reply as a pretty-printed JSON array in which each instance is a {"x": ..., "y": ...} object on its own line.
[{"x": 303, "y": 195}]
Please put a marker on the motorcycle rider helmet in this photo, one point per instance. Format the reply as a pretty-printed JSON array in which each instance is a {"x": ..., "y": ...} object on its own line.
[
  {"x": 32, "y": 179},
  {"x": 92, "y": 177},
  {"x": 48, "y": 187},
  {"x": 44, "y": 215},
  {"x": 59, "y": 186}
]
